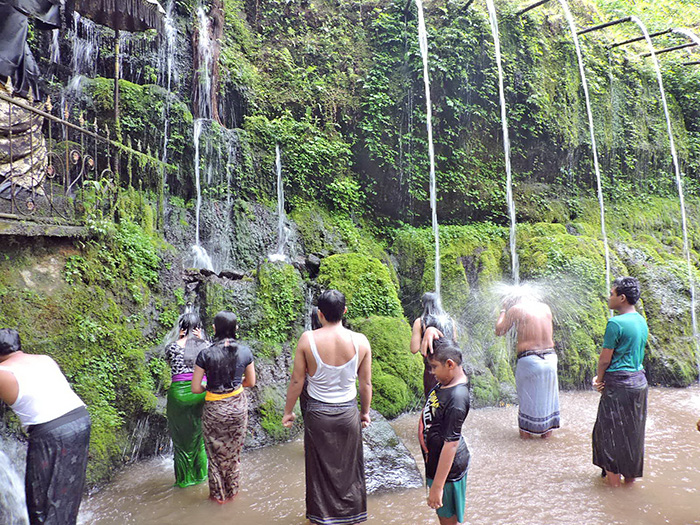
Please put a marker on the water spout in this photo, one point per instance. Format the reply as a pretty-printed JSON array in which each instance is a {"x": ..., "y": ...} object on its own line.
[
  {"x": 515, "y": 266},
  {"x": 423, "y": 40},
  {"x": 679, "y": 183},
  {"x": 282, "y": 231},
  {"x": 594, "y": 148}
]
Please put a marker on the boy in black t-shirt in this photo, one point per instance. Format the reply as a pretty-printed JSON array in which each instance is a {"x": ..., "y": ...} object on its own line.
[{"x": 440, "y": 433}]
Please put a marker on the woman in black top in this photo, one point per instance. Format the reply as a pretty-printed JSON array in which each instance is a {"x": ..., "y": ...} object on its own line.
[{"x": 229, "y": 367}]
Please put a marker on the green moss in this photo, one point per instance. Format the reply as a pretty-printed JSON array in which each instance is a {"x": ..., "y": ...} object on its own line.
[
  {"x": 271, "y": 411},
  {"x": 397, "y": 375},
  {"x": 365, "y": 281},
  {"x": 279, "y": 292}
]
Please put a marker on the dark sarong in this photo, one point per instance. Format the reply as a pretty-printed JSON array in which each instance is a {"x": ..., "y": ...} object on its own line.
[
  {"x": 335, "y": 467},
  {"x": 56, "y": 466},
  {"x": 184, "y": 410},
  {"x": 224, "y": 424},
  {"x": 618, "y": 434}
]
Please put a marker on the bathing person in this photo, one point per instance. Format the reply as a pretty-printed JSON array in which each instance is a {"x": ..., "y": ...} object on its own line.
[
  {"x": 229, "y": 367},
  {"x": 184, "y": 409},
  {"x": 433, "y": 315},
  {"x": 440, "y": 434},
  {"x": 536, "y": 379},
  {"x": 618, "y": 434},
  {"x": 332, "y": 358},
  {"x": 58, "y": 425}
]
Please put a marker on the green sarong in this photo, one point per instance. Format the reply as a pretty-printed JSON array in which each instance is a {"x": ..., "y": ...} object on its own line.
[{"x": 184, "y": 410}]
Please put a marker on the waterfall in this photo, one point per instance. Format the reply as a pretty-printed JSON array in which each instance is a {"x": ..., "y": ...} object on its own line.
[
  {"x": 55, "y": 49},
  {"x": 205, "y": 53},
  {"x": 679, "y": 181},
  {"x": 594, "y": 148},
  {"x": 281, "y": 229},
  {"x": 13, "y": 507},
  {"x": 168, "y": 51},
  {"x": 423, "y": 40},
  {"x": 515, "y": 266},
  {"x": 201, "y": 257},
  {"x": 85, "y": 49}
]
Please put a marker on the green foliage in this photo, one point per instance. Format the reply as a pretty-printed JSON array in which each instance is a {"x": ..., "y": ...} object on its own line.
[
  {"x": 365, "y": 282},
  {"x": 397, "y": 375},
  {"x": 280, "y": 293},
  {"x": 271, "y": 411}
]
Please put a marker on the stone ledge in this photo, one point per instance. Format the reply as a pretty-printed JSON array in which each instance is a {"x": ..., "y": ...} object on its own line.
[{"x": 26, "y": 228}]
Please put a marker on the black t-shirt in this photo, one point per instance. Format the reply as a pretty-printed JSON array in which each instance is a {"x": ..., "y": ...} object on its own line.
[
  {"x": 224, "y": 363},
  {"x": 441, "y": 420}
]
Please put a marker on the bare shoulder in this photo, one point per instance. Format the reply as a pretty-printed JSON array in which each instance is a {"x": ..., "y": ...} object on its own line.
[
  {"x": 303, "y": 340},
  {"x": 361, "y": 339}
]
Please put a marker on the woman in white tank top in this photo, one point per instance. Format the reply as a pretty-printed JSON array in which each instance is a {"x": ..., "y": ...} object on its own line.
[
  {"x": 331, "y": 359},
  {"x": 58, "y": 426}
]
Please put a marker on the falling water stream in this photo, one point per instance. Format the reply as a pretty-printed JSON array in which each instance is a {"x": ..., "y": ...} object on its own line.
[
  {"x": 679, "y": 181},
  {"x": 281, "y": 230},
  {"x": 423, "y": 40},
  {"x": 535, "y": 482},
  {"x": 594, "y": 148},
  {"x": 168, "y": 51},
  {"x": 515, "y": 266}
]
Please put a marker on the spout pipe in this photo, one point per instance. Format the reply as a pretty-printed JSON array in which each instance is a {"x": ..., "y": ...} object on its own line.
[
  {"x": 693, "y": 63},
  {"x": 603, "y": 26},
  {"x": 669, "y": 49},
  {"x": 536, "y": 4},
  {"x": 639, "y": 38}
]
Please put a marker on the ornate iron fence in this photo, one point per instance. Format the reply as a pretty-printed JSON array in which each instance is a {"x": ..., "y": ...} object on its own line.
[{"x": 53, "y": 170}]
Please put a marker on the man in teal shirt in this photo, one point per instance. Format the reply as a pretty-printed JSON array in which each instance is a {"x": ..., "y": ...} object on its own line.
[{"x": 618, "y": 434}]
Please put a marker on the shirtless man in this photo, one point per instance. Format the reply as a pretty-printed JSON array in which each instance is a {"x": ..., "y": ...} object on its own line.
[{"x": 536, "y": 372}]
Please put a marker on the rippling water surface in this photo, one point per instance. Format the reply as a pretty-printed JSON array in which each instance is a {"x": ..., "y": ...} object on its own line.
[{"x": 510, "y": 481}]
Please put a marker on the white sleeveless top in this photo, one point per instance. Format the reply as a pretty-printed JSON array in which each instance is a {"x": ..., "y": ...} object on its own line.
[
  {"x": 44, "y": 393},
  {"x": 333, "y": 384}
]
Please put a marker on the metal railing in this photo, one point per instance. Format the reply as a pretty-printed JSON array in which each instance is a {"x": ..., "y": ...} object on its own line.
[{"x": 53, "y": 170}]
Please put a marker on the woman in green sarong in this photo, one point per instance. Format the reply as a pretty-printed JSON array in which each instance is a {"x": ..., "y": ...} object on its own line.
[{"x": 184, "y": 409}]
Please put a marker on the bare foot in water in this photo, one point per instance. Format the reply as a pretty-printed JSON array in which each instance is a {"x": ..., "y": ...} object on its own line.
[
  {"x": 614, "y": 480},
  {"x": 546, "y": 434},
  {"x": 524, "y": 435}
]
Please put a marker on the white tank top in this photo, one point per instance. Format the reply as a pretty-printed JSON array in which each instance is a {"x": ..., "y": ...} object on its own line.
[
  {"x": 44, "y": 393},
  {"x": 333, "y": 384}
]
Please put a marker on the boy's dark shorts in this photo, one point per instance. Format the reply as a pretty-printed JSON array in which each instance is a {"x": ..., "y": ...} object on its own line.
[{"x": 454, "y": 499}]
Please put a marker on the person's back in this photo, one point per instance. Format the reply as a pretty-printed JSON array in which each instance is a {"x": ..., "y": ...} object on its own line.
[
  {"x": 332, "y": 358},
  {"x": 533, "y": 322}
]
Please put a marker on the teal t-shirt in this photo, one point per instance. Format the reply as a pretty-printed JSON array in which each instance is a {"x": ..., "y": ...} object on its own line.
[{"x": 626, "y": 335}]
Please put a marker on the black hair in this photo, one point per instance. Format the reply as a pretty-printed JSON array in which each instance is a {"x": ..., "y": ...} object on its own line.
[
  {"x": 444, "y": 349},
  {"x": 9, "y": 341},
  {"x": 434, "y": 315},
  {"x": 189, "y": 321},
  {"x": 225, "y": 326},
  {"x": 629, "y": 286},
  {"x": 332, "y": 305},
  {"x": 315, "y": 321}
]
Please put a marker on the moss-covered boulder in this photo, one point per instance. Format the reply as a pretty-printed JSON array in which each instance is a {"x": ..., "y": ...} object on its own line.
[
  {"x": 365, "y": 282},
  {"x": 397, "y": 375}
]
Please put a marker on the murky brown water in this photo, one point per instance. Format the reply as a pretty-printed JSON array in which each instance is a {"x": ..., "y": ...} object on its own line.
[{"x": 510, "y": 481}]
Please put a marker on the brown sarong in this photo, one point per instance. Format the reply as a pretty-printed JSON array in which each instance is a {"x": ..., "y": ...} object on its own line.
[
  {"x": 224, "y": 425},
  {"x": 335, "y": 468}
]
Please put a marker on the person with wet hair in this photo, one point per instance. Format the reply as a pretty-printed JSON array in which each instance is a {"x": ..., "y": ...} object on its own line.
[
  {"x": 332, "y": 358},
  {"x": 184, "y": 408},
  {"x": 433, "y": 316},
  {"x": 536, "y": 380},
  {"x": 58, "y": 425},
  {"x": 229, "y": 368},
  {"x": 444, "y": 450},
  {"x": 618, "y": 434}
]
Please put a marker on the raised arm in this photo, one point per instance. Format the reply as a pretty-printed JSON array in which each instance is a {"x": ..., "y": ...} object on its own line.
[
  {"x": 504, "y": 321},
  {"x": 416, "y": 336},
  {"x": 364, "y": 375},
  {"x": 197, "y": 376},
  {"x": 431, "y": 334},
  {"x": 296, "y": 383},
  {"x": 249, "y": 376}
]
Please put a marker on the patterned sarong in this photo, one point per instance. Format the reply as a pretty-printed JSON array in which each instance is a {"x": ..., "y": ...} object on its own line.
[
  {"x": 335, "y": 468},
  {"x": 56, "y": 466},
  {"x": 618, "y": 434},
  {"x": 224, "y": 423},
  {"x": 184, "y": 410},
  {"x": 538, "y": 392}
]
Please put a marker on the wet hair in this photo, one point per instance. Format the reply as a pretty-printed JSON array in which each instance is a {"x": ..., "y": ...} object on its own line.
[
  {"x": 629, "y": 286},
  {"x": 9, "y": 341},
  {"x": 225, "y": 326},
  {"x": 433, "y": 315},
  {"x": 315, "y": 321},
  {"x": 444, "y": 349},
  {"x": 188, "y": 322},
  {"x": 332, "y": 304}
]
